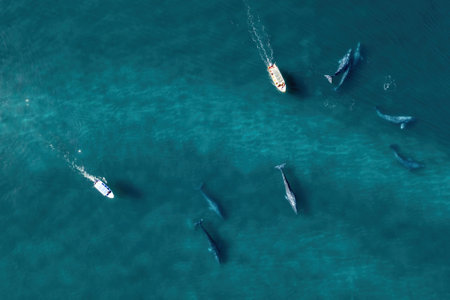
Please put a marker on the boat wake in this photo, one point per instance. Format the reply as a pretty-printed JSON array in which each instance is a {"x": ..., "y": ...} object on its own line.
[
  {"x": 84, "y": 173},
  {"x": 259, "y": 36},
  {"x": 31, "y": 124},
  {"x": 98, "y": 183},
  {"x": 80, "y": 169}
]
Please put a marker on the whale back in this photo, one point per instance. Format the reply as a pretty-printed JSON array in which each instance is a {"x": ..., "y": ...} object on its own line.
[{"x": 408, "y": 163}]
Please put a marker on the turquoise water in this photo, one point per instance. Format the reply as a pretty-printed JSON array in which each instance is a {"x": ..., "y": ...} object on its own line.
[{"x": 157, "y": 97}]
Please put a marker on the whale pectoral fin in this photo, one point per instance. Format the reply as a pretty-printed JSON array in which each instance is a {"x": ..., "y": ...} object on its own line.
[
  {"x": 279, "y": 167},
  {"x": 402, "y": 125},
  {"x": 329, "y": 78}
]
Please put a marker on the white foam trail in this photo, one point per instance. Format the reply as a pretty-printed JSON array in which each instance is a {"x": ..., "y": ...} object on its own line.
[
  {"x": 84, "y": 173},
  {"x": 260, "y": 37},
  {"x": 76, "y": 167},
  {"x": 54, "y": 146}
]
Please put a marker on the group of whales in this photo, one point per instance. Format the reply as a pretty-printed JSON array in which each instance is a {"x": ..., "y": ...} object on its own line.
[
  {"x": 212, "y": 205},
  {"x": 346, "y": 63},
  {"x": 407, "y": 162}
]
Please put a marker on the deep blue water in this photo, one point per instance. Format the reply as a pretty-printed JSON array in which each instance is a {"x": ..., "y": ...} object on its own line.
[{"x": 157, "y": 97}]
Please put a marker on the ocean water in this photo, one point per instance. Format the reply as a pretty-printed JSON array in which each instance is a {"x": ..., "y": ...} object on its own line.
[{"x": 157, "y": 97}]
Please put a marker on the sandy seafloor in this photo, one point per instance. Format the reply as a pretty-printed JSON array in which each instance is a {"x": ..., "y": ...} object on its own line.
[{"x": 157, "y": 97}]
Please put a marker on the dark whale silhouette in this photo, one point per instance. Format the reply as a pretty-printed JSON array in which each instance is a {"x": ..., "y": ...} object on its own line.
[
  {"x": 212, "y": 244},
  {"x": 408, "y": 163}
]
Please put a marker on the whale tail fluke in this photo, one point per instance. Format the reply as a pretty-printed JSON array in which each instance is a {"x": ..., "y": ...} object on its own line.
[
  {"x": 198, "y": 223},
  {"x": 393, "y": 147},
  {"x": 199, "y": 187},
  {"x": 329, "y": 78},
  {"x": 279, "y": 167}
]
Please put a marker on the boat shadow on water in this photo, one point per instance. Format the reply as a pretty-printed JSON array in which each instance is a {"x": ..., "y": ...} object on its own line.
[
  {"x": 294, "y": 86},
  {"x": 125, "y": 188}
]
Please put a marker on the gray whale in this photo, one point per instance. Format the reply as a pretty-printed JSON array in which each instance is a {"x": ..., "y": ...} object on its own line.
[
  {"x": 402, "y": 120},
  {"x": 290, "y": 197},
  {"x": 212, "y": 244},
  {"x": 357, "y": 55},
  {"x": 211, "y": 203},
  {"x": 408, "y": 163},
  {"x": 344, "y": 64}
]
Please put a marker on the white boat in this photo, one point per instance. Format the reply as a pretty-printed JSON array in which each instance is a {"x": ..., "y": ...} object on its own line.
[
  {"x": 103, "y": 188},
  {"x": 277, "y": 78}
]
